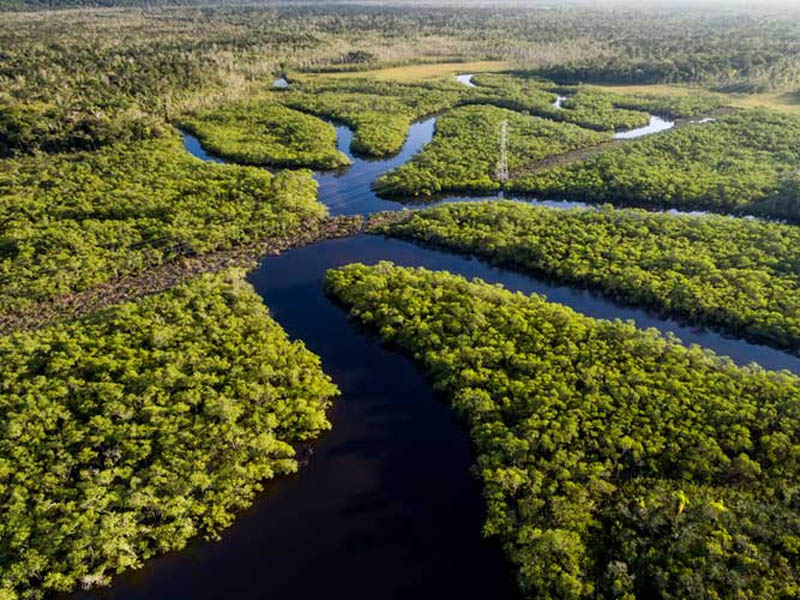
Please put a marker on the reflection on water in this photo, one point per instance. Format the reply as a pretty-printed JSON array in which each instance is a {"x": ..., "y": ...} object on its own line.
[
  {"x": 311, "y": 264},
  {"x": 656, "y": 125},
  {"x": 466, "y": 79},
  {"x": 195, "y": 148},
  {"x": 349, "y": 190},
  {"x": 386, "y": 508}
]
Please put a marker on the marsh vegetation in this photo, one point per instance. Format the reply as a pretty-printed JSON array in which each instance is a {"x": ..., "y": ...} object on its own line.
[{"x": 615, "y": 462}]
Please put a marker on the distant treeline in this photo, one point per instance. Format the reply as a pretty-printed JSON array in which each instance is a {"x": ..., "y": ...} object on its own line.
[{"x": 83, "y": 54}]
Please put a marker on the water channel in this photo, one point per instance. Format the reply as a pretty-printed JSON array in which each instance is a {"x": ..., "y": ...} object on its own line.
[{"x": 386, "y": 506}]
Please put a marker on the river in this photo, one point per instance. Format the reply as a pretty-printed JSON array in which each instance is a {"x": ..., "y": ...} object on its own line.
[
  {"x": 386, "y": 506},
  {"x": 656, "y": 124}
]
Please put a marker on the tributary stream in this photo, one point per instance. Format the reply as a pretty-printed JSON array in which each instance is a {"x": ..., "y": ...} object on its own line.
[{"x": 386, "y": 507}]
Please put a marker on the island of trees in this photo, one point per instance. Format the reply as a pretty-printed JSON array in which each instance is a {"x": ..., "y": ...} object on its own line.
[
  {"x": 615, "y": 463},
  {"x": 737, "y": 275},
  {"x": 742, "y": 163},
  {"x": 143, "y": 403},
  {"x": 129, "y": 432}
]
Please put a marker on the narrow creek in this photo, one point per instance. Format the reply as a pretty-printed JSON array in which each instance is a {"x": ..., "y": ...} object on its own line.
[
  {"x": 386, "y": 506},
  {"x": 656, "y": 124}
]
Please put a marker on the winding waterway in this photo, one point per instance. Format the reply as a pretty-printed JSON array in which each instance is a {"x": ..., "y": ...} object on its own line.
[
  {"x": 386, "y": 506},
  {"x": 656, "y": 124}
]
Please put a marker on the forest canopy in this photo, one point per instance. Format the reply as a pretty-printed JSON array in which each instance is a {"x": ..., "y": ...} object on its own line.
[
  {"x": 266, "y": 133},
  {"x": 736, "y": 275},
  {"x": 465, "y": 152},
  {"x": 125, "y": 434},
  {"x": 74, "y": 80},
  {"x": 615, "y": 463},
  {"x": 742, "y": 163},
  {"x": 70, "y": 221}
]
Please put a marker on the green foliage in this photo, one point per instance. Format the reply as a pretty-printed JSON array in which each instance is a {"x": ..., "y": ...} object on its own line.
[
  {"x": 744, "y": 162},
  {"x": 70, "y": 221},
  {"x": 675, "y": 107},
  {"x": 740, "y": 276},
  {"x": 379, "y": 112},
  {"x": 525, "y": 94},
  {"x": 592, "y": 107},
  {"x": 266, "y": 133},
  {"x": 588, "y": 105},
  {"x": 25, "y": 130},
  {"x": 615, "y": 463},
  {"x": 126, "y": 434},
  {"x": 112, "y": 65},
  {"x": 465, "y": 151},
  {"x": 584, "y": 106}
]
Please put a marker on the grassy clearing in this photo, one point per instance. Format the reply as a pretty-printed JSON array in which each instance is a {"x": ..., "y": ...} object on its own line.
[
  {"x": 783, "y": 101},
  {"x": 661, "y": 89},
  {"x": 413, "y": 73}
]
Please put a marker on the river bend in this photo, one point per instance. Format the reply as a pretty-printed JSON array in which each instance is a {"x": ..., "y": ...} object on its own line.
[{"x": 386, "y": 506}]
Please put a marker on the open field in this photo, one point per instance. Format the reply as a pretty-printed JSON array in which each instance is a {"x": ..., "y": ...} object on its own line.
[
  {"x": 661, "y": 89},
  {"x": 785, "y": 101},
  {"x": 426, "y": 71}
]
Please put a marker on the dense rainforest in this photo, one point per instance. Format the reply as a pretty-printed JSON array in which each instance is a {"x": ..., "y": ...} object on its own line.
[
  {"x": 742, "y": 163},
  {"x": 740, "y": 276},
  {"x": 465, "y": 152},
  {"x": 80, "y": 78},
  {"x": 379, "y": 112},
  {"x": 615, "y": 463},
  {"x": 755, "y": 49},
  {"x": 583, "y": 105},
  {"x": 74, "y": 220},
  {"x": 127, "y": 433},
  {"x": 267, "y": 133}
]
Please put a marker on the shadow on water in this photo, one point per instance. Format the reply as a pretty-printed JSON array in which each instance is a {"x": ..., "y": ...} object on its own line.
[
  {"x": 387, "y": 507},
  {"x": 309, "y": 264}
]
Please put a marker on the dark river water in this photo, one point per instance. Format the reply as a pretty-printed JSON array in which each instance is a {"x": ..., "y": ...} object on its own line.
[{"x": 386, "y": 507}]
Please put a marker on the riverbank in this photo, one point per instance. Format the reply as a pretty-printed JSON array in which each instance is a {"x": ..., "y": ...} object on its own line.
[
  {"x": 401, "y": 512},
  {"x": 168, "y": 275}
]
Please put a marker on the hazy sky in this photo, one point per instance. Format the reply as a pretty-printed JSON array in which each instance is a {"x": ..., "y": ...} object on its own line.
[
  {"x": 675, "y": 4},
  {"x": 754, "y": 4}
]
